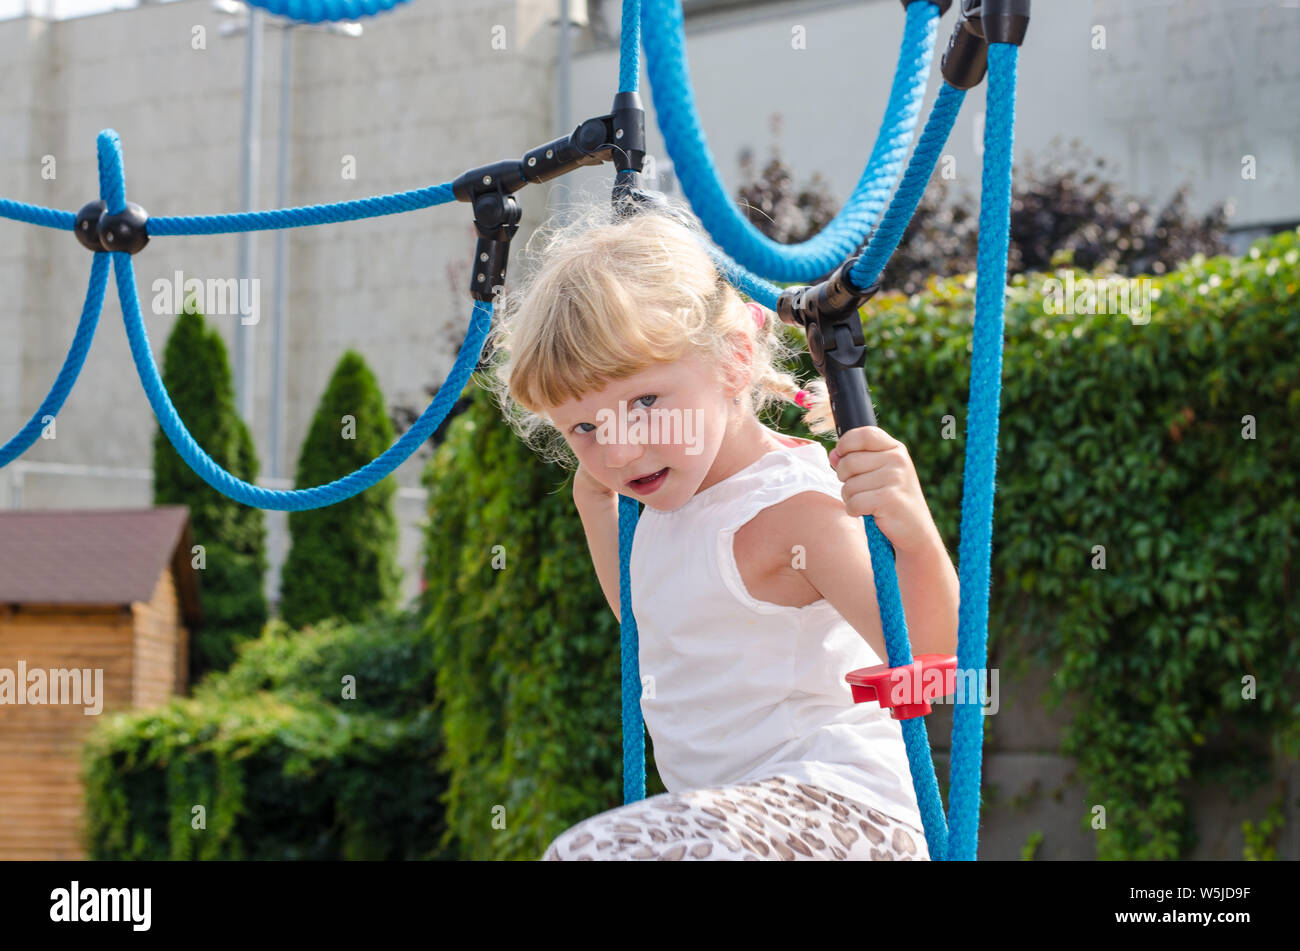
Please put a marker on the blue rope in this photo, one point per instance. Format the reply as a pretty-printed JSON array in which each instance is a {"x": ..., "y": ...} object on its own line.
[
  {"x": 885, "y": 239},
  {"x": 982, "y": 445},
  {"x": 765, "y": 292},
  {"x": 629, "y": 51},
  {"x": 665, "y": 47},
  {"x": 316, "y": 11},
  {"x": 173, "y": 225},
  {"x": 371, "y": 207},
  {"x": 633, "y": 725},
  {"x": 72, "y": 364},
  {"x": 36, "y": 215},
  {"x": 898, "y": 650},
  {"x": 296, "y": 500},
  {"x": 113, "y": 190}
]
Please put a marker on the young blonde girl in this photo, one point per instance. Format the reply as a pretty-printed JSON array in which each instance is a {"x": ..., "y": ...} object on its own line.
[{"x": 751, "y": 577}]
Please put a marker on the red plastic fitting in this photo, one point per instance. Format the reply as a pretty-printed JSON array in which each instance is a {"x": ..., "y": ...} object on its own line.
[{"x": 905, "y": 691}]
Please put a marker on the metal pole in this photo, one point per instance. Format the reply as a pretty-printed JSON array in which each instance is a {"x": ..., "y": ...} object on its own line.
[
  {"x": 278, "y": 548},
  {"x": 278, "y": 353},
  {"x": 247, "y": 239},
  {"x": 563, "y": 73}
]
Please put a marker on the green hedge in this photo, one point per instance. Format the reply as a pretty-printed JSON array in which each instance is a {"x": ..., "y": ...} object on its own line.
[
  {"x": 284, "y": 765},
  {"x": 1114, "y": 432}
]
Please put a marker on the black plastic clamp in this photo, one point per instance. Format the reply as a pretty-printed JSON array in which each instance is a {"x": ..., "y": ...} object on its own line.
[
  {"x": 99, "y": 231},
  {"x": 618, "y": 137},
  {"x": 496, "y": 219},
  {"x": 979, "y": 23},
  {"x": 828, "y": 314}
]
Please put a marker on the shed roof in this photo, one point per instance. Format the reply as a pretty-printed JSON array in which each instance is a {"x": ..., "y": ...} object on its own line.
[{"x": 111, "y": 556}]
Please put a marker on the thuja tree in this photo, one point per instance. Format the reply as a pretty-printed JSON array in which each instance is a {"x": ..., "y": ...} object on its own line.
[
  {"x": 232, "y": 557},
  {"x": 342, "y": 559}
]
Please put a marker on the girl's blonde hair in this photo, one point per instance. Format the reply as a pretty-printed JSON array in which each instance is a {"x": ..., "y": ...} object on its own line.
[{"x": 611, "y": 297}]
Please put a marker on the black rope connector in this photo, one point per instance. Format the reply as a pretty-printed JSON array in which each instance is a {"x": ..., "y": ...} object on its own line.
[
  {"x": 835, "y": 297},
  {"x": 828, "y": 314},
  {"x": 99, "y": 231},
  {"x": 618, "y": 137},
  {"x": 980, "y": 23},
  {"x": 496, "y": 219}
]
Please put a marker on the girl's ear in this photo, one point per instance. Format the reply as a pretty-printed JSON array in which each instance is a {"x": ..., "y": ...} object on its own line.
[{"x": 737, "y": 374}]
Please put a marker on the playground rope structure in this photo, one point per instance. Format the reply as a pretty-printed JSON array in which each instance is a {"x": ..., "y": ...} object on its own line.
[{"x": 855, "y": 247}]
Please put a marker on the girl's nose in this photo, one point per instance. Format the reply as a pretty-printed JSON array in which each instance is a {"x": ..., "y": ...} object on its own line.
[{"x": 620, "y": 454}]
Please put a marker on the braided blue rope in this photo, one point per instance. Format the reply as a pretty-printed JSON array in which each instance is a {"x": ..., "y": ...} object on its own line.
[
  {"x": 113, "y": 191},
  {"x": 982, "y": 446},
  {"x": 317, "y": 11},
  {"x": 765, "y": 292},
  {"x": 693, "y": 162},
  {"x": 72, "y": 364},
  {"x": 36, "y": 215},
  {"x": 630, "y": 661},
  {"x": 371, "y": 207},
  {"x": 885, "y": 239},
  {"x": 629, "y": 52},
  {"x": 898, "y": 648},
  {"x": 173, "y": 225}
]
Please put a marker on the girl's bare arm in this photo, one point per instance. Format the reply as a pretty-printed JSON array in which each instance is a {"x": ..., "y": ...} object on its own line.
[{"x": 599, "y": 516}]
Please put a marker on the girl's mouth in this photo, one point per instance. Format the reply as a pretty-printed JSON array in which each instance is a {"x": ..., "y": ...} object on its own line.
[{"x": 650, "y": 483}]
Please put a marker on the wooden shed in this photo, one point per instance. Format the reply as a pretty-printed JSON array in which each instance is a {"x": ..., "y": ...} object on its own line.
[{"x": 95, "y": 613}]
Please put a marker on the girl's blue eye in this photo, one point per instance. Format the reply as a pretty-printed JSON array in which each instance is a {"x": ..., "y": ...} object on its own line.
[{"x": 578, "y": 426}]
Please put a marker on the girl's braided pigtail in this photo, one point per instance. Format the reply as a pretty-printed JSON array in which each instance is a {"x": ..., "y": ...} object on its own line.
[{"x": 813, "y": 398}]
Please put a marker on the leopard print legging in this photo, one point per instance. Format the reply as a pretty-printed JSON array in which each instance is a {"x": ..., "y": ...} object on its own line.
[{"x": 773, "y": 819}]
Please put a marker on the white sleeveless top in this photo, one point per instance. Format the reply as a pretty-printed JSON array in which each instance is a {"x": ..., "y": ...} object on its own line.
[{"x": 744, "y": 689}]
